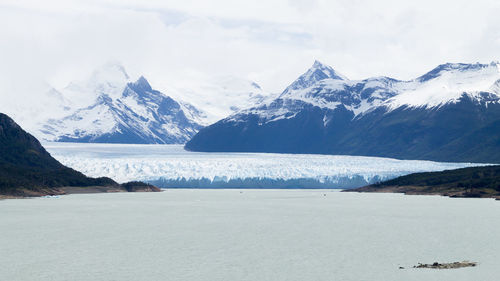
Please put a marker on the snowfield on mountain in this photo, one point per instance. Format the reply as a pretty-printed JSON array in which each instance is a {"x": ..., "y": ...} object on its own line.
[
  {"x": 109, "y": 106},
  {"x": 448, "y": 114}
]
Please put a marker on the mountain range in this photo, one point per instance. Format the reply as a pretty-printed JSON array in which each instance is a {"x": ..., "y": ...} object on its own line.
[
  {"x": 110, "y": 107},
  {"x": 451, "y": 113},
  {"x": 139, "y": 115}
]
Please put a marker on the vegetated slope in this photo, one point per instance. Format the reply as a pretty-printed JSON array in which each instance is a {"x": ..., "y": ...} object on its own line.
[
  {"x": 465, "y": 182},
  {"x": 27, "y": 169}
]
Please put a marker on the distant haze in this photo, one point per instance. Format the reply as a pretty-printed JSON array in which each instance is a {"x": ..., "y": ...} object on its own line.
[{"x": 270, "y": 42}]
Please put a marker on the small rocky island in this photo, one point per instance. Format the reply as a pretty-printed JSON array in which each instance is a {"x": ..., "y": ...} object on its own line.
[
  {"x": 28, "y": 170},
  {"x": 451, "y": 265},
  {"x": 474, "y": 182}
]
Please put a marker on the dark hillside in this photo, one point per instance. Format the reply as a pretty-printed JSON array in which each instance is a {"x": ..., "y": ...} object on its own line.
[
  {"x": 27, "y": 169},
  {"x": 466, "y": 182}
]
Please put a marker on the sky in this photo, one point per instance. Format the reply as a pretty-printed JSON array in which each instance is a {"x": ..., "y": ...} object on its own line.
[{"x": 271, "y": 42}]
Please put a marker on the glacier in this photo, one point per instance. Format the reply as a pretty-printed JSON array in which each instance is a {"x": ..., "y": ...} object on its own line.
[{"x": 170, "y": 166}]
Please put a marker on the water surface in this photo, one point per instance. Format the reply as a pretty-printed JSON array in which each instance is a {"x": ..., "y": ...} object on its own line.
[{"x": 247, "y": 235}]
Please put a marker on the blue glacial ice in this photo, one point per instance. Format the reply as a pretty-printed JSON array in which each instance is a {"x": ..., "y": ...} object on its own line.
[{"x": 170, "y": 166}]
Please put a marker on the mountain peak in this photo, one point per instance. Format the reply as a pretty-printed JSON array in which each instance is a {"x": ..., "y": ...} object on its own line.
[
  {"x": 110, "y": 79},
  {"x": 142, "y": 84},
  {"x": 325, "y": 69},
  {"x": 318, "y": 64},
  {"x": 454, "y": 67},
  {"x": 111, "y": 70},
  {"x": 317, "y": 72}
]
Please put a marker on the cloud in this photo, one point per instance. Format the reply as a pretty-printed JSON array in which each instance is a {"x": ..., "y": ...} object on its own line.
[{"x": 269, "y": 41}]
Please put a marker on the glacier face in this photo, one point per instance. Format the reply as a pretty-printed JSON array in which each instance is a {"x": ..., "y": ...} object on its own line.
[{"x": 172, "y": 166}]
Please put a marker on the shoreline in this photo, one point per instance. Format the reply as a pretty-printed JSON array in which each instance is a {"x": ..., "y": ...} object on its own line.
[
  {"x": 68, "y": 190},
  {"x": 422, "y": 190},
  {"x": 405, "y": 190},
  {"x": 473, "y": 182}
]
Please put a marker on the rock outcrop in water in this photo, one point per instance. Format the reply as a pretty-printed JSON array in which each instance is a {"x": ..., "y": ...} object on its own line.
[{"x": 450, "y": 265}]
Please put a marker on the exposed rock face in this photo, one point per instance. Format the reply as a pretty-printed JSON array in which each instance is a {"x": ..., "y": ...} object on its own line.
[
  {"x": 139, "y": 114},
  {"x": 451, "y": 113}
]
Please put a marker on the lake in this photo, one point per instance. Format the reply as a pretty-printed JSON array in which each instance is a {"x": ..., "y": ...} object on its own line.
[{"x": 259, "y": 235}]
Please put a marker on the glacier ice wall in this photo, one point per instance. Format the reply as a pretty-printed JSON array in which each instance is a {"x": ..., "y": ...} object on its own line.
[{"x": 170, "y": 166}]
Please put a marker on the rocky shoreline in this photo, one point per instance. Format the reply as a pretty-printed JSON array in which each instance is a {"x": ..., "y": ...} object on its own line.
[
  {"x": 66, "y": 190},
  {"x": 473, "y": 182},
  {"x": 426, "y": 190}
]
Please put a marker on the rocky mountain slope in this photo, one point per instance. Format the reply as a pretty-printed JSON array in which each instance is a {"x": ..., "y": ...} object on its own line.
[
  {"x": 451, "y": 113},
  {"x": 138, "y": 115},
  {"x": 108, "y": 106}
]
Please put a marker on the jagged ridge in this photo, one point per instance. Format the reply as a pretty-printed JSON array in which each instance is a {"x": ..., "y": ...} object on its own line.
[
  {"x": 139, "y": 114},
  {"x": 451, "y": 113}
]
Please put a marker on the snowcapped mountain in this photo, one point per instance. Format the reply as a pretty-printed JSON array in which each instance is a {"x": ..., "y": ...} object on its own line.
[
  {"x": 448, "y": 83},
  {"x": 101, "y": 107},
  {"x": 446, "y": 115},
  {"x": 109, "y": 79},
  {"x": 28, "y": 111},
  {"x": 316, "y": 73},
  {"x": 218, "y": 96},
  {"x": 321, "y": 86},
  {"x": 109, "y": 107},
  {"x": 139, "y": 115}
]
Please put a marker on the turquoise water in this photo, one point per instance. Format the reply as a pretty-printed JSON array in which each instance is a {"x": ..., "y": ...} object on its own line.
[{"x": 247, "y": 235}]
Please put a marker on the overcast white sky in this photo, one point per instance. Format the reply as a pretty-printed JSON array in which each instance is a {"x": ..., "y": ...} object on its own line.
[{"x": 270, "y": 41}]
